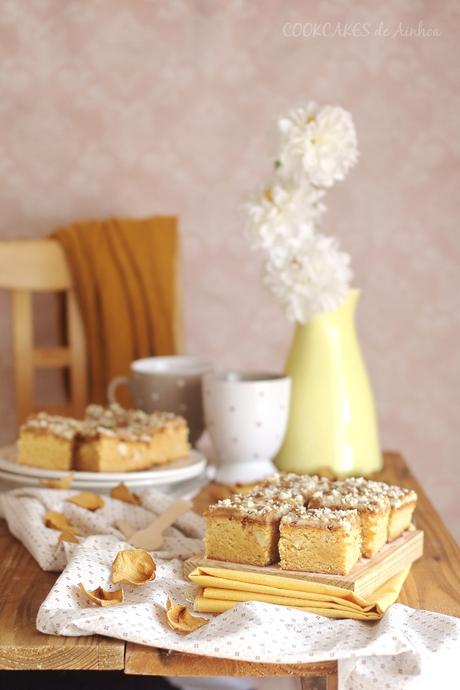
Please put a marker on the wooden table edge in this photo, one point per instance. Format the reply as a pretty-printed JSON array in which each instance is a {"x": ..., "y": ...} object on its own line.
[
  {"x": 65, "y": 658},
  {"x": 144, "y": 660}
]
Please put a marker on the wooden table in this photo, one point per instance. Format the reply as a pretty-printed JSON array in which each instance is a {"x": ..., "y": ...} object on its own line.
[{"x": 433, "y": 584}]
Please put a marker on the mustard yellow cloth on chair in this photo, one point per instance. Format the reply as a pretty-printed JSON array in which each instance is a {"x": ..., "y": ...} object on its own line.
[
  {"x": 125, "y": 279},
  {"x": 222, "y": 589}
]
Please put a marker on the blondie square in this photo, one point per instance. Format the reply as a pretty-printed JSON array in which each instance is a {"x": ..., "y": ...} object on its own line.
[
  {"x": 245, "y": 527},
  {"x": 374, "y": 511},
  {"x": 47, "y": 441},
  {"x": 402, "y": 502},
  {"x": 320, "y": 540},
  {"x": 116, "y": 440},
  {"x": 109, "y": 439}
]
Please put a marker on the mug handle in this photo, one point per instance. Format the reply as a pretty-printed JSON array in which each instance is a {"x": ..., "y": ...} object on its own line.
[{"x": 113, "y": 385}]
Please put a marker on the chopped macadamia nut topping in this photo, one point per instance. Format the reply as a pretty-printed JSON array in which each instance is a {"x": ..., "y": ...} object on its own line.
[
  {"x": 63, "y": 427},
  {"x": 127, "y": 425},
  {"x": 115, "y": 415},
  {"x": 304, "y": 484},
  {"x": 276, "y": 494},
  {"x": 269, "y": 502},
  {"x": 323, "y": 517},
  {"x": 395, "y": 494},
  {"x": 287, "y": 493},
  {"x": 108, "y": 422},
  {"x": 341, "y": 497}
]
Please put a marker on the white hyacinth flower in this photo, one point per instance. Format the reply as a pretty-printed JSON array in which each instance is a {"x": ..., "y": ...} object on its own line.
[
  {"x": 317, "y": 144},
  {"x": 281, "y": 211},
  {"x": 309, "y": 275}
]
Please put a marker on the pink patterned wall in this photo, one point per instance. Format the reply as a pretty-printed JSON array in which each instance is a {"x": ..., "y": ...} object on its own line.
[{"x": 138, "y": 107}]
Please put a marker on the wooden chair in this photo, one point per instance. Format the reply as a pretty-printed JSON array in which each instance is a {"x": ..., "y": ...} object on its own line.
[{"x": 28, "y": 266}]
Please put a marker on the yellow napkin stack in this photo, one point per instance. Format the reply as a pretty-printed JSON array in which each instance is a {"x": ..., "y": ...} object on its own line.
[{"x": 222, "y": 589}]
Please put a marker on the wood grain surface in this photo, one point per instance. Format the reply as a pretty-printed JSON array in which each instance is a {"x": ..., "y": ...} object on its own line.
[{"x": 23, "y": 588}]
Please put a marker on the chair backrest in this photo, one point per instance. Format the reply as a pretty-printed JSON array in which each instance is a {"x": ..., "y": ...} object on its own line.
[{"x": 28, "y": 266}]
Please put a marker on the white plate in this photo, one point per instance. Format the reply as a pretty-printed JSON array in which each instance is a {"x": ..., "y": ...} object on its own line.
[
  {"x": 24, "y": 480},
  {"x": 9, "y": 481},
  {"x": 177, "y": 471}
]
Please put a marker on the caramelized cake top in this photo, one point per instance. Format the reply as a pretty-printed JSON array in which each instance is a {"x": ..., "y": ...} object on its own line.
[
  {"x": 397, "y": 495},
  {"x": 105, "y": 422},
  {"x": 128, "y": 425},
  {"x": 325, "y": 518},
  {"x": 43, "y": 423},
  {"x": 305, "y": 484},
  {"x": 114, "y": 415},
  {"x": 265, "y": 503},
  {"x": 341, "y": 497}
]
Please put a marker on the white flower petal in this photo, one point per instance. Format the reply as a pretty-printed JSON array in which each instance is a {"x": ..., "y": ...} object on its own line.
[
  {"x": 309, "y": 277},
  {"x": 317, "y": 145},
  {"x": 283, "y": 210}
]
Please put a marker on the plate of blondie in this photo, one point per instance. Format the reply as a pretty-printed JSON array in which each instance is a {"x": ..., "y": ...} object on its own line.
[{"x": 108, "y": 446}]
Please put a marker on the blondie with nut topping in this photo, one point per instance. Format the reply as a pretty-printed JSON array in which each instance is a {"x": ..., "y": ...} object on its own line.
[
  {"x": 402, "y": 502},
  {"x": 108, "y": 439},
  {"x": 374, "y": 511},
  {"x": 320, "y": 540},
  {"x": 245, "y": 527},
  {"x": 48, "y": 441},
  {"x": 112, "y": 439}
]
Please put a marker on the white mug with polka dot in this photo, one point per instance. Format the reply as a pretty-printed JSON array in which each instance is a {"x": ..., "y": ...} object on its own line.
[
  {"x": 167, "y": 384},
  {"x": 246, "y": 415}
]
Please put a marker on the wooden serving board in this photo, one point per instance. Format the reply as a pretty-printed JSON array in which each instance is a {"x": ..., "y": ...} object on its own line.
[{"x": 367, "y": 575}]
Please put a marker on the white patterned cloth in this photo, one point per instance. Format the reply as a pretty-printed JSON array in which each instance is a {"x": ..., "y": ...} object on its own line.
[{"x": 407, "y": 649}]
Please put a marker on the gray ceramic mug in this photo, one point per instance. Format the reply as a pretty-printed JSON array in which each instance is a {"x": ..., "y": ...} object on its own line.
[{"x": 171, "y": 384}]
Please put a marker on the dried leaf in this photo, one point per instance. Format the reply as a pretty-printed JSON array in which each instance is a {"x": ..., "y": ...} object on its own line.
[
  {"x": 68, "y": 535},
  {"x": 133, "y": 567},
  {"x": 180, "y": 618},
  {"x": 122, "y": 493},
  {"x": 64, "y": 483},
  {"x": 87, "y": 500},
  {"x": 58, "y": 521},
  {"x": 103, "y": 597}
]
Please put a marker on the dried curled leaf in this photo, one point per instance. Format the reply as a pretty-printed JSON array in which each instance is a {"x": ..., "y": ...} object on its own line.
[
  {"x": 87, "y": 500},
  {"x": 122, "y": 493},
  {"x": 68, "y": 535},
  {"x": 133, "y": 567},
  {"x": 180, "y": 618},
  {"x": 64, "y": 483},
  {"x": 102, "y": 597},
  {"x": 58, "y": 521}
]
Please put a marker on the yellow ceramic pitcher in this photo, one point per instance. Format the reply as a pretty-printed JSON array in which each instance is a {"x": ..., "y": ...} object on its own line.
[{"x": 332, "y": 420}]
